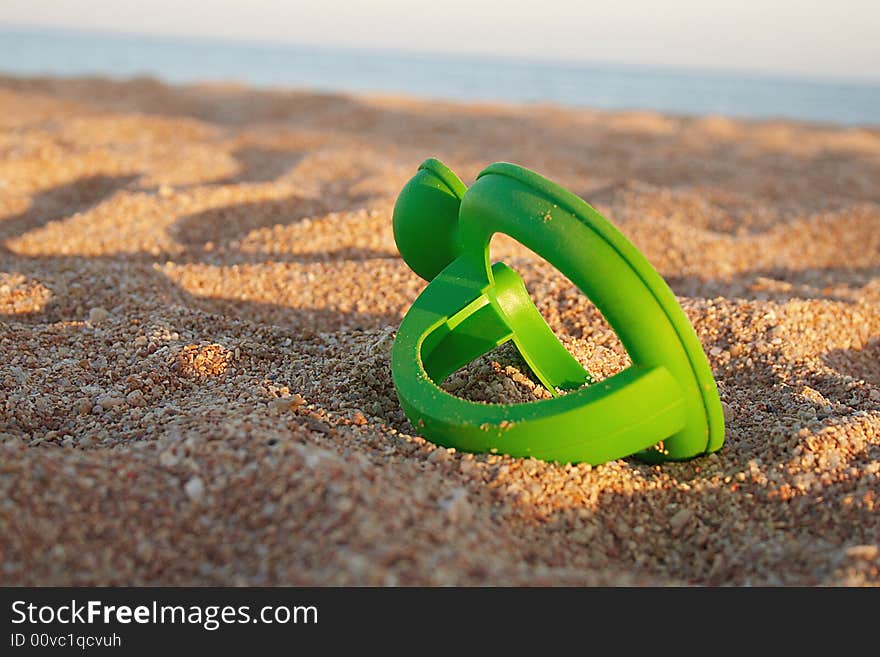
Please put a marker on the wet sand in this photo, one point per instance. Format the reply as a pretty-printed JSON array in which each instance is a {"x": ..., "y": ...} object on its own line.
[{"x": 199, "y": 289}]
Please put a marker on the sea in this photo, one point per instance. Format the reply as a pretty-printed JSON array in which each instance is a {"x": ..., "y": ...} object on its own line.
[{"x": 33, "y": 52}]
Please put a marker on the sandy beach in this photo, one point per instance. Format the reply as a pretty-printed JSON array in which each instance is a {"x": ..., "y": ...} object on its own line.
[{"x": 199, "y": 288}]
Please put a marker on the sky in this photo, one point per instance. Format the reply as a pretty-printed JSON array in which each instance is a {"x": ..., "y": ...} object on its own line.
[{"x": 804, "y": 38}]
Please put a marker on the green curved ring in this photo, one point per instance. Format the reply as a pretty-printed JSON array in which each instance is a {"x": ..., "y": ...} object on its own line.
[{"x": 470, "y": 306}]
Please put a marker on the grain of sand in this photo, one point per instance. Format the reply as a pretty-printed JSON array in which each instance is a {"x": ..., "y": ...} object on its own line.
[{"x": 199, "y": 289}]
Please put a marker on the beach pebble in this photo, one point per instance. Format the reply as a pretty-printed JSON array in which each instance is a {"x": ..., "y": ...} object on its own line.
[
  {"x": 109, "y": 401},
  {"x": 680, "y": 519},
  {"x": 863, "y": 552},
  {"x": 98, "y": 315},
  {"x": 281, "y": 405},
  {"x": 194, "y": 489},
  {"x": 457, "y": 507},
  {"x": 438, "y": 455},
  {"x": 467, "y": 466}
]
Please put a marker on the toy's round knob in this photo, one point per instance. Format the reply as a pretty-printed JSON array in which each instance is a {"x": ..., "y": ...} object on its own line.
[{"x": 426, "y": 219}]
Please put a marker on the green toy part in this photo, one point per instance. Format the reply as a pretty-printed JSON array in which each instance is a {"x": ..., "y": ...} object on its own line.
[{"x": 664, "y": 406}]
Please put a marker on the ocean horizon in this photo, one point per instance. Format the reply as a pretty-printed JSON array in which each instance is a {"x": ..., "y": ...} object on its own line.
[{"x": 35, "y": 52}]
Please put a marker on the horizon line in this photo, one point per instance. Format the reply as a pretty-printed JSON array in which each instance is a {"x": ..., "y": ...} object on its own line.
[{"x": 180, "y": 38}]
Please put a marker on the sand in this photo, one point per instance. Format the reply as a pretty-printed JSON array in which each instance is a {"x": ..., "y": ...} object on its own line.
[{"x": 199, "y": 289}]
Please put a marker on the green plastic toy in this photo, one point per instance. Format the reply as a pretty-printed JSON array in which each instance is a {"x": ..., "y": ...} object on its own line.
[{"x": 664, "y": 406}]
